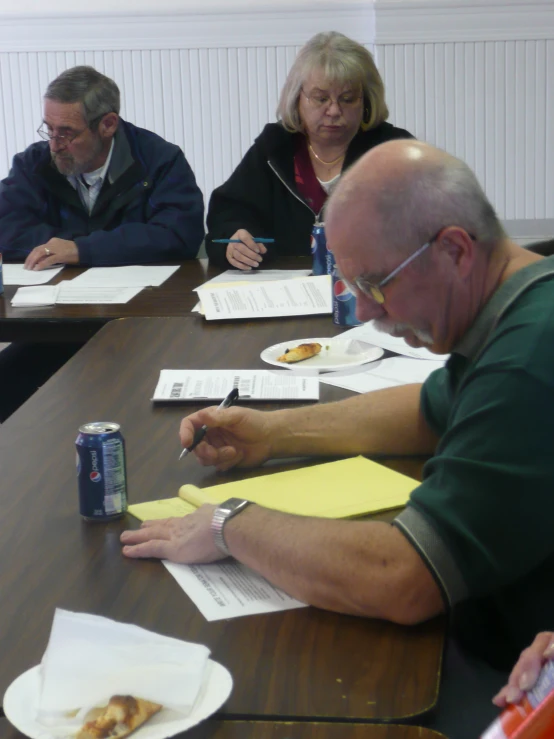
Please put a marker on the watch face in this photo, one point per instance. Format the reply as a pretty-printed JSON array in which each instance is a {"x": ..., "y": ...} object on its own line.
[{"x": 233, "y": 505}]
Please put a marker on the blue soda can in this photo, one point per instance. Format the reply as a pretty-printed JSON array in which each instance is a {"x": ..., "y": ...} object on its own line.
[
  {"x": 318, "y": 247},
  {"x": 1, "y": 277},
  {"x": 101, "y": 471},
  {"x": 344, "y": 302}
]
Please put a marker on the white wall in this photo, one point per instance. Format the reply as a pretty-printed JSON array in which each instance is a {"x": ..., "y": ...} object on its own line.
[
  {"x": 114, "y": 7},
  {"x": 473, "y": 77}
]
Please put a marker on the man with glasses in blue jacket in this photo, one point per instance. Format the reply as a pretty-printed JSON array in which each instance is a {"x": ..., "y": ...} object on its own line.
[{"x": 98, "y": 191}]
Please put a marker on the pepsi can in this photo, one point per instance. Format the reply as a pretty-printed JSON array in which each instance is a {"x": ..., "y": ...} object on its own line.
[
  {"x": 344, "y": 302},
  {"x": 319, "y": 249},
  {"x": 101, "y": 471}
]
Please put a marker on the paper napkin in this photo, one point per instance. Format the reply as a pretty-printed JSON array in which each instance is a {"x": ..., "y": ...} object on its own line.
[{"x": 90, "y": 658}]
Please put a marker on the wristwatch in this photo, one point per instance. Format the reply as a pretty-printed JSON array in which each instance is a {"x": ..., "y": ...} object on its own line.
[{"x": 222, "y": 514}]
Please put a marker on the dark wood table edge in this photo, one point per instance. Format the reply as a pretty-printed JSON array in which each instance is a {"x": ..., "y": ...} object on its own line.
[
  {"x": 431, "y": 733},
  {"x": 339, "y": 722}
]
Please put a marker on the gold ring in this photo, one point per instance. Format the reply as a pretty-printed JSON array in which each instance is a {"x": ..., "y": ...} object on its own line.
[{"x": 47, "y": 251}]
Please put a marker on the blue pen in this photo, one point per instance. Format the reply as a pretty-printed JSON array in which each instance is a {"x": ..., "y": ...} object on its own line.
[{"x": 257, "y": 239}]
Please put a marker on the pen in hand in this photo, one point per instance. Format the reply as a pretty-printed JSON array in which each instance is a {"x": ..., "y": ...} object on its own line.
[
  {"x": 200, "y": 433},
  {"x": 257, "y": 239}
]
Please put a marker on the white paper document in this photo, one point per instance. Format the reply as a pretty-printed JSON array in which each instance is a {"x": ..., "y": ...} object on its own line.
[
  {"x": 369, "y": 333},
  {"x": 214, "y": 385},
  {"x": 301, "y": 297},
  {"x": 254, "y": 276},
  {"x": 229, "y": 589},
  {"x": 66, "y": 293},
  {"x": 128, "y": 276},
  {"x": 70, "y": 294},
  {"x": 384, "y": 373},
  {"x": 16, "y": 274}
]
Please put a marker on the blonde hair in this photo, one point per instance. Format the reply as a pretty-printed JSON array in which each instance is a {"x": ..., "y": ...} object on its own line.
[{"x": 343, "y": 61}]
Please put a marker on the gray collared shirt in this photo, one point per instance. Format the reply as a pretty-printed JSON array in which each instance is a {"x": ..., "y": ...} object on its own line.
[{"x": 89, "y": 184}]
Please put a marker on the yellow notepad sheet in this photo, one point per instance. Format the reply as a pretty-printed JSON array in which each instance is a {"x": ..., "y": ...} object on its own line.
[
  {"x": 168, "y": 508},
  {"x": 348, "y": 487},
  {"x": 342, "y": 489}
]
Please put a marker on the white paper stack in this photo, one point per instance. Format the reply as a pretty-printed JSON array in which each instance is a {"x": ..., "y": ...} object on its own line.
[
  {"x": 38, "y": 295},
  {"x": 71, "y": 294},
  {"x": 66, "y": 293},
  {"x": 90, "y": 658}
]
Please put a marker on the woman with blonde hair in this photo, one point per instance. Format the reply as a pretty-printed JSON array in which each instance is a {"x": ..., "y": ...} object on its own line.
[{"x": 331, "y": 111}]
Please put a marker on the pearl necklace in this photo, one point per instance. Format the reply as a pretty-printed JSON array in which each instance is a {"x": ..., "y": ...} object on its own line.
[{"x": 319, "y": 159}]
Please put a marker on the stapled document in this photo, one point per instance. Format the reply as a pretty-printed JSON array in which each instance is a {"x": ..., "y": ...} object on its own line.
[
  {"x": 301, "y": 297},
  {"x": 195, "y": 385}
]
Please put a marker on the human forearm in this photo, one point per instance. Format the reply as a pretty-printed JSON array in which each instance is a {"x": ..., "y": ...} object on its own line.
[
  {"x": 362, "y": 568},
  {"x": 382, "y": 422}
]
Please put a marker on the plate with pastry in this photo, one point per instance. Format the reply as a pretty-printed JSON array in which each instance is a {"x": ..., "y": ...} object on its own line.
[
  {"x": 321, "y": 355},
  {"x": 123, "y": 716}
]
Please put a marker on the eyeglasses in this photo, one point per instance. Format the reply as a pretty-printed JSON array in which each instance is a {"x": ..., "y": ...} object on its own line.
[
  {"x": 371, "y": 290},
  {"x": 64, "y": 139},
  {"x": 320, "y": 100}
]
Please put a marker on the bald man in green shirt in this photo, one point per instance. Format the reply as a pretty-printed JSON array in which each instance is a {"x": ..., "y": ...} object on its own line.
[{"x": 419, "y": 243}]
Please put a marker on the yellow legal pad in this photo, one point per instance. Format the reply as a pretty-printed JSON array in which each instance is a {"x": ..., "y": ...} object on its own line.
[{"x": 349, "y": 487}]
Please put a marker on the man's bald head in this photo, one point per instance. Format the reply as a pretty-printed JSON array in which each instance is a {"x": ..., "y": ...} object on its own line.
[{"x": 409, "y": 191}]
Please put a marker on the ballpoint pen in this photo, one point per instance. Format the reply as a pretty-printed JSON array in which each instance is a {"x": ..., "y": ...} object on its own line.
[
  {"x": 257, "y": 239},
  {"x": 200, "y": 433}
]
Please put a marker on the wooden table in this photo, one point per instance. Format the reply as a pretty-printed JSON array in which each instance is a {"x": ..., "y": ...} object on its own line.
[
  {"x": 274, "y": 730},
  {"x": 80, "y": 322},
  {"x": 299, "y": 664}
]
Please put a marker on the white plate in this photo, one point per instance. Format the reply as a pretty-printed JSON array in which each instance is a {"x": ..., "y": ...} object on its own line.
[
  {"x": 341, "y": 354},
  {"x": 21, "y": 701}
]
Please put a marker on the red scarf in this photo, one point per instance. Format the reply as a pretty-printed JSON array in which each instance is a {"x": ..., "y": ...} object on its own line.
[{"x": 307, "y": 183}]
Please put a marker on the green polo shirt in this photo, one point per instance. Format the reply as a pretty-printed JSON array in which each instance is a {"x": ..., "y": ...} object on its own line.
[{"x": 483, "y": 518}]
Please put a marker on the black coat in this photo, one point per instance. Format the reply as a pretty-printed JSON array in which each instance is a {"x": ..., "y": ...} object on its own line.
[{"x": 261, "y": 194}]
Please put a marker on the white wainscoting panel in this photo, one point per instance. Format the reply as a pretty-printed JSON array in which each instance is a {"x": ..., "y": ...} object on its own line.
[
  {"x": 475, "y": 78},
  {"x": 488, "y": 103},
  {"x": 211, "y": 102}
]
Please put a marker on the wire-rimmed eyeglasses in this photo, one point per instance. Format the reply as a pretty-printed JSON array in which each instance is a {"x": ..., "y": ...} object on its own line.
[
  {"x": 373, "y": 290},
  {"x": 64, "y": 139},
  {"x": 322, "y": 100}
]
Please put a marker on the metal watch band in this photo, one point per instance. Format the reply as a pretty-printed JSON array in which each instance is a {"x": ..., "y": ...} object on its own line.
[{"x": 222, "y": 514}]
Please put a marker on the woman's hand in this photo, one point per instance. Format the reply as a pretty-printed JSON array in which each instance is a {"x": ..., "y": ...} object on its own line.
[
  {"x": 526, "y": 671},
  {"x": 247, "y": 253}
]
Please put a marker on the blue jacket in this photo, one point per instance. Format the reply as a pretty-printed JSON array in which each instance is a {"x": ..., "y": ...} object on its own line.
[{"x": 149, "y": 209}]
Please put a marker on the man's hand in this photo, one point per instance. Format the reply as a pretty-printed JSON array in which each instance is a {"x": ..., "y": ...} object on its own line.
[
  {"x": 247, "y": 254},
  {"x": 55, "y": 251},
  {"x": 525, "y": 673},
  {"x": 235, "y": 436},
  {"x": 186, "y": 540}
]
